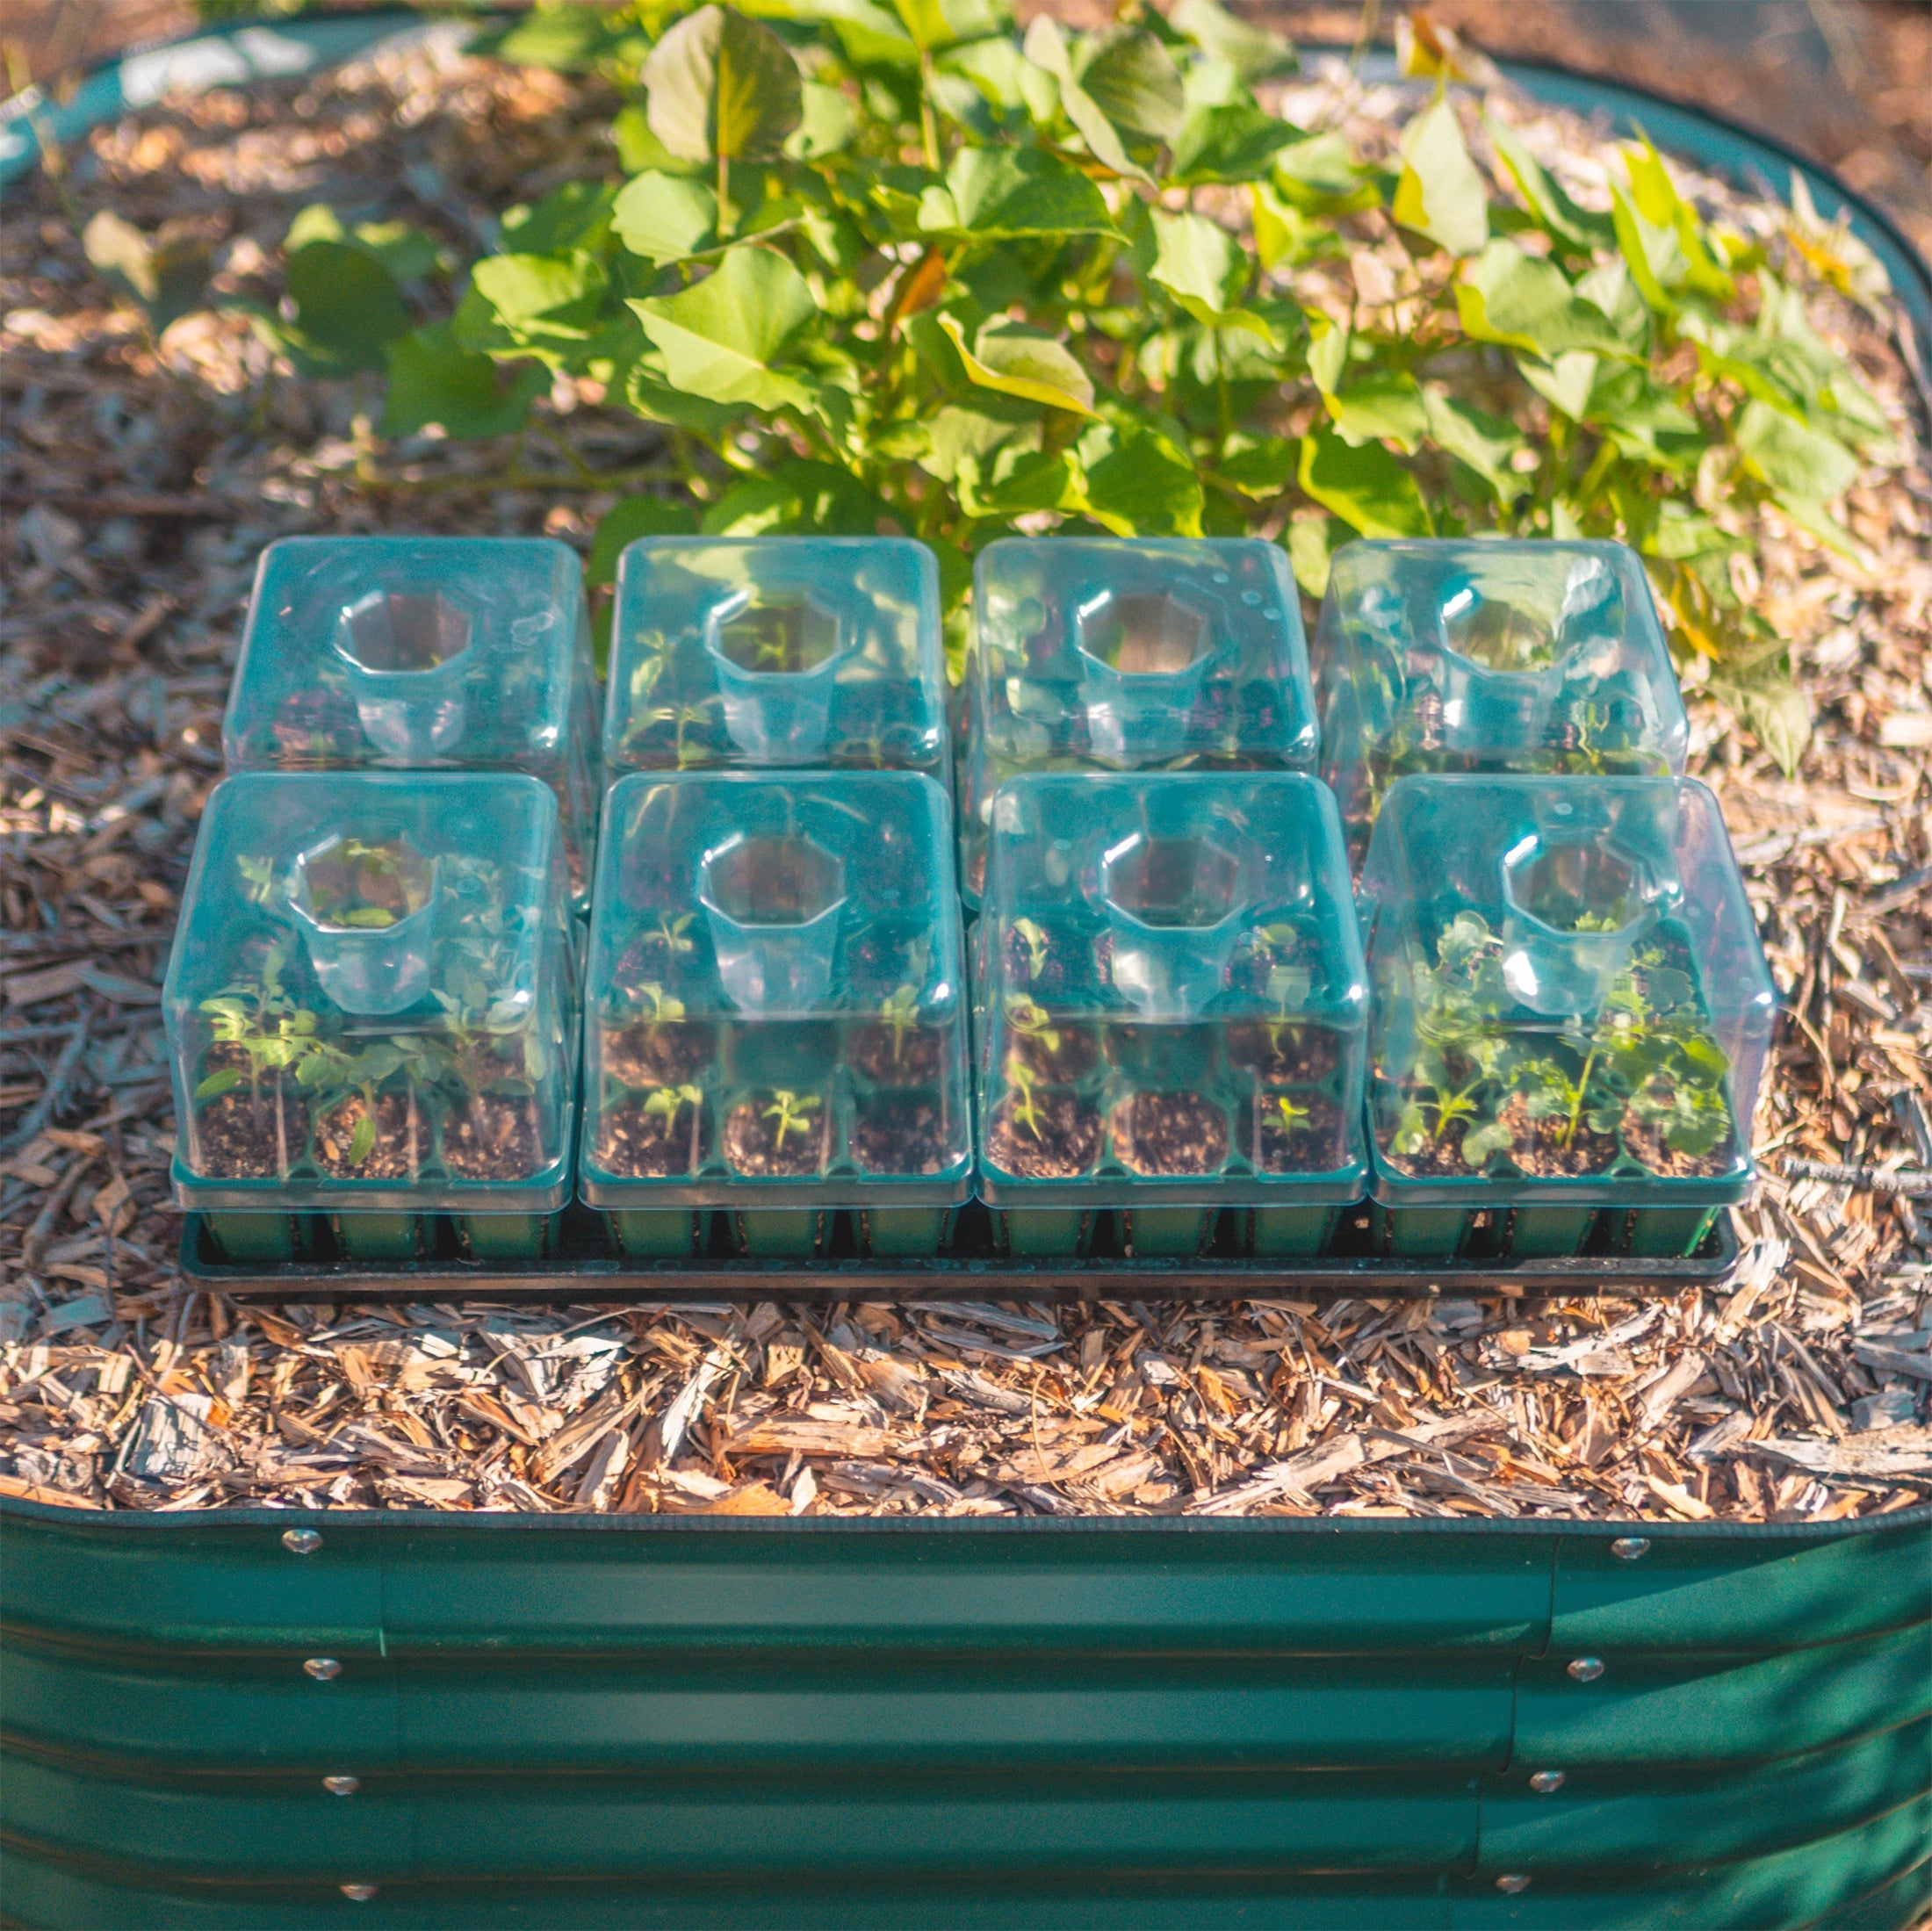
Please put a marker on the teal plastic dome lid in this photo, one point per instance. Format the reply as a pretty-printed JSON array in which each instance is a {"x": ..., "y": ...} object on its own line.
[
  {"x": 1570, "y": 1000},
  {"x": 411, "y": 652},
  {"x": 1132, "y": 654},
  {"x": 371, "y": 1005},
  {"x": 775, "y": 997},
  {"x": 1491, "y": 655},
  {"x": 785, "y": 653},
  {"x": 1168, "y": 958}
]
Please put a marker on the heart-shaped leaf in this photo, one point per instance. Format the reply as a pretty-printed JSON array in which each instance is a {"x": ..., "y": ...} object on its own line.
[
  {"x": 1524, "y": 302},
  {"x": 721, "y": 339},
  {"x": 996, "y": 193},
  {"x": 1440, "y": 194},
  {"x": 666, "y": 218},
  {"x": 722, "y": 87}
]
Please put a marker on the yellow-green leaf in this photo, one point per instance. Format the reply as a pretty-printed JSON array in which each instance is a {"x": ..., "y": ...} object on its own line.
[
  {"x": 1440, "y": 194},
  {"x": 1019, "y": 361}
]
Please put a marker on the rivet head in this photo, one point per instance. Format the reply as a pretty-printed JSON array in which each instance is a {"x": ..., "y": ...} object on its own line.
[
  {"x": 1548, "y": 1783},
  {"x": 347, "y": 1786},
  {"x": 1510, "y": 1883},
  {"x": 1587, "y": 1668},
  {"x": 361, "y": 1894},
  {"x": 1629, "y": 1548},
  {"x": 326, "y": 1668},
  {"x": 301, "y": 1541}
]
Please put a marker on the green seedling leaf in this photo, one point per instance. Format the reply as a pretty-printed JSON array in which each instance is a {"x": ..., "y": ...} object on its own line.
[
  {"x": 722, "y": 87},
  {"x": 224, "y": 1081},
  {"x": 721, "y": 339},
  {"x": 828, "y": 124},
  {"x": 433, "y": 380},
  {"x": 666, "y": 218},
  {"x": 1366, "y": 486},
  {"x": 1253, "y": 53},
  {"x": 167, "y": 276},
  {"x": 362, "y": 1143},
  {"x": 1440, "y": 194},
  {"x": 1523, "y": 302},
  {"x": 1775, "y": 711},
  {"x": 1019, "y": 361}
]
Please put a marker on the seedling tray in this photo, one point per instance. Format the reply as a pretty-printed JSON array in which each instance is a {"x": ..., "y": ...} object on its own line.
[{"x": 586, "y": 1265}]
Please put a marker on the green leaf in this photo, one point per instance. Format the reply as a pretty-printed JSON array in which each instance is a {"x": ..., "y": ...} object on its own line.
[
  {"x": 1658, "y": 204},
  {"x": 1328, "y": 351},
  {"x": 1047, "y": 48},
  {"x": 224, "y": 1081},
  {"x": 1790, "y": 458},
  {"x": 1258, "y": 467},
  {"x": 576, "y": 215},
  {"x": 346, "y": 307},
  {"x": 1019, "y": 361},
  {"x": 1234, "y": 140},
  {"x": 1775, "y": 711},
  {"x": 666, "y": 218},
  {"x": 1384, "y": 403},
  {"x": 624, "y": 524},
  {"x": 433, "y": 378},
  {"x": 1284, "y": 234},
  {"x": 1440, "y": 194},
  {"x": 1565, "y": 384},
  {"x": 1366, "y": 486},
  {"x": 639, "y": 151},
  {"x": 1651, "y": 253},
  {"x": 166, "y": 275},
  {"x": 1523, "y": 302},
  {"x": 1559, "y": 216},
  {"x": 722, "y": 87},
  {"x": 1312, "y": 543},
  {"x": 565, "y": 39},
  {"x": 1485, "y": 443},
  {"x": 362, "y": 1143},
  {"x": 933, "y": 25},
  {"x": 721, "y": 338},
  {"x": 1320, "y": 175},
  {"x": 1200, "y": 264},
  {"x": 995, "y": 192},
  {"x": 1132, "y": 78},
  {"x": 542, "y": 297},
  {"x": 799, "y": 499},
  {"x": 1252, "y": 53},
  {"x": 974, "y": 431},
  {"x": 1138, "y": 483},
  {"x": 827, "y": 124},
  {"x": 648, "y": 390}
]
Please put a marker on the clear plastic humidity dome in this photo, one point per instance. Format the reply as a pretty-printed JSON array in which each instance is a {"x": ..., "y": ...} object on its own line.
[
  {"x": 780, "y": 652},
  {"x": 418, "y": 652},
  {"x": 1107, "y": 654},
  {"x": 370, "y": 1006},
  {"x": 1531, "y": 657}
]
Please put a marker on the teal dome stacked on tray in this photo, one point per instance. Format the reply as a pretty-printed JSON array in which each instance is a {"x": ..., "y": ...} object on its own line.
[
  {"x": 372, "y": 1011},
  {"x": 776, "y": 1013},
  {"x": 414, "y": 654}
]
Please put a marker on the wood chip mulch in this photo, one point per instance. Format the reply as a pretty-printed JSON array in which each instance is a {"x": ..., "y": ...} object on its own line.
[{"x": 140, "y": 482}]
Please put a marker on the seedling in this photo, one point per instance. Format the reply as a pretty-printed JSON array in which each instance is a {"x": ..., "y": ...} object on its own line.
[
  {"x": 259, "y": 874},
  {"x": 790, "y": 1112},
  {"x": 661, "y": 1006},
  {"x": 1025, "y": 1107},
  {"x": 260, "y": 1020},
  {"x": 1033, "y": 1021},
  {"x": 1034, "y": 939},
  {"x": 358, "y": 885},
  {"x": 1289, "y": 1115},
  {"x": 665, "y": 1103},
  {"x": 673, "y": 933},
  {"x": 899, "y": 1012}
]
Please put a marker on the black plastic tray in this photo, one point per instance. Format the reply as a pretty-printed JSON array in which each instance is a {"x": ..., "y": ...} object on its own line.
[{"x": 585, "y": 1267}]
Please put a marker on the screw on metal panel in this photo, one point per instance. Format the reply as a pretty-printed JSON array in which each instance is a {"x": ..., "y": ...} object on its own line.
[
  {"x": 363, "y": 1893},
  {"x": 1548, "y": 1783},
  {"x": 301, "y": 1541},
  {"x": 1629, "y": 1548},
  {"x": 1587, "y": 1668},
  {"x": 326, "y": 1668},
  {"x": 341, "y": 1786}
]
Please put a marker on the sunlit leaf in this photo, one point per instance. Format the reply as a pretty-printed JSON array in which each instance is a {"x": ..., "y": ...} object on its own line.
[
  {"x": 1440, "y": 194},
  {"x": 799, "y": 499},
  {"x": 1233, "y": 141},
  {"x": 1254, "y": 54},
  {"x": 1790, "y": 458},
  {"x": 1580, "y": 228},
  {"x": 1137, "y": 483},
  {"x": 1485, "y": 443},
  {"x": 723, "y": 86},
  {"x": 434, "y": 379},
  {"x": 1019, "y": 361},
  {"x": 1366, "y": 486},
  {"x": 722, "y": 338},
  {"x": 1524, "y": 302},
  {"x": 1383, "y": 403},
  {"x": 666, "y": 218},
  {"x": 167, "y": 276},
  {"x": 995, "y": 192}
]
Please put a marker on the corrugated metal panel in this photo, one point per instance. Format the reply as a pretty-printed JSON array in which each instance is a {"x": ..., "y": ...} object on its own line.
[{"x": 563, "y": 1721}]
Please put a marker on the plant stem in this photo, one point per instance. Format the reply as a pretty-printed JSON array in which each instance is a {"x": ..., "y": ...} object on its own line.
[{"x": 928, "y": 120}]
